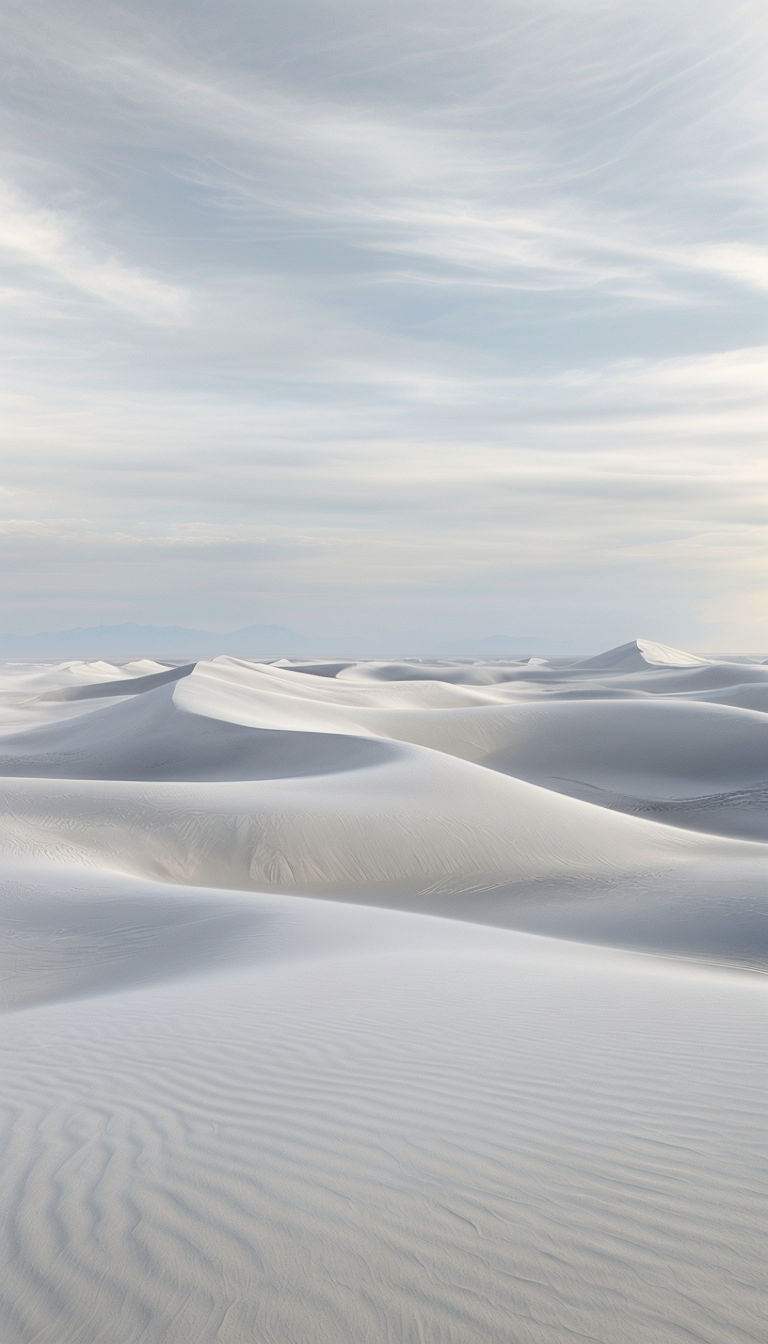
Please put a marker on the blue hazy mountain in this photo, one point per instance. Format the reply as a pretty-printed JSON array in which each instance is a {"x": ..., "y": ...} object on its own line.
[{"x": 130, "y": 640}]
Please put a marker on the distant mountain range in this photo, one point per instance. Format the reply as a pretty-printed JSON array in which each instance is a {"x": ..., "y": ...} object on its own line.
[
  {"x": 181, "y": 644},
  {"x": 175, "y": 642}
]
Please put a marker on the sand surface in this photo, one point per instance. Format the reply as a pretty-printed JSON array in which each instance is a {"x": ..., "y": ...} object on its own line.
[{"x": 420, "y": 1002}]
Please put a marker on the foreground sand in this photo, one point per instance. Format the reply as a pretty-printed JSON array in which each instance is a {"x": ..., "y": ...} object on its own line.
[{"x": 374, "y": 1002}]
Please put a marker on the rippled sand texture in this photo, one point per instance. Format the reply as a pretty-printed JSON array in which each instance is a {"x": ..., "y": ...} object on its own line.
[{"x": 372, "y": 1002}]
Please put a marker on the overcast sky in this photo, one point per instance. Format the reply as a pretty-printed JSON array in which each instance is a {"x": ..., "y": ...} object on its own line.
[{"x": 407, "y": 323}]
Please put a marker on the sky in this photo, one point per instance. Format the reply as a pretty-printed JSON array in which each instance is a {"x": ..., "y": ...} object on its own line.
[{"x": 397, "y": 325}]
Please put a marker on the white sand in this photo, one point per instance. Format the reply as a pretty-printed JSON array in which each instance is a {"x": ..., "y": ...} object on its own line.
[{"x": 256, "y": 1086}]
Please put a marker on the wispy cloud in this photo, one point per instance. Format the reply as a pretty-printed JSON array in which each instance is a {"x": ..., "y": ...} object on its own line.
[
  {"x": 327, "y": 297},
  {"x": 56, "y": 243}
]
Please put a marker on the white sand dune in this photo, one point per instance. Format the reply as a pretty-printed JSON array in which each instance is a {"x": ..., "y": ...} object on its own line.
[
  {"x": 132, "y": 684},
  {"x": 33, "y": 677},
  {"x": 639, "y": 655},
  {"x": 344, "y": 1002}
]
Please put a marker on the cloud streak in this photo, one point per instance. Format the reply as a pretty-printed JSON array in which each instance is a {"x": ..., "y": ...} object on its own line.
[{"x": 51, "y": 241}]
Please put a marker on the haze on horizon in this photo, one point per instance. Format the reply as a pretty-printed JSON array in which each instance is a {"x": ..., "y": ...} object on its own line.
[{"x": 379, "y": 322}]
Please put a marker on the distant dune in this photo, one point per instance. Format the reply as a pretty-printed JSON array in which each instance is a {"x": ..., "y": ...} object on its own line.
[{"x": 384, "y": 1001}]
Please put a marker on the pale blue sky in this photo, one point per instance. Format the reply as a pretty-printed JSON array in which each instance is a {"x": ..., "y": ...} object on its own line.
[{"x": 397, "y": 323}]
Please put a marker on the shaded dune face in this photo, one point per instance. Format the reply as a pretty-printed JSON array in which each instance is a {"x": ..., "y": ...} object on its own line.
[
  {"x": 149, "y": 738},
  {"x": 139, "y": 682},
  {"x": 362, "y": 1001},
  {"x": 76, "y": 932}
]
